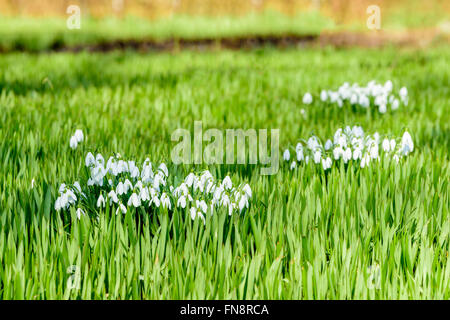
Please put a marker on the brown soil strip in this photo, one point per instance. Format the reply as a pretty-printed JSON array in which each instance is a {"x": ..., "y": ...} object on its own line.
[{"x": 376, "y": 39}]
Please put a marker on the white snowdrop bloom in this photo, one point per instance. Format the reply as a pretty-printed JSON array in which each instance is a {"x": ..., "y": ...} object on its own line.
[
  {"x": 347, "y": 155},
  {"x": 127, "y": 185},
  {"x": 300, "y": 155},
  {"x": 32, "y": 183},
  {"x": 393, "y": 144},
  {"x": 388, "y": 86},
  {"x": 165, "y": 201},
  {"x": 201, "y": 205},
  {"x": 101, "y": 202},
  {"x": 58, "y": 204},
  {"x": 99, "y": 160},
  {"x": 73, "y": 142},
  {"x": 386, "y": 145},
  {"x": 337, "y": 152},
  {"x": 317, "y": 157},
  {"x": 323, "y": 95},
  {"x": 407, "y": 144},
  {"x": 120, "y": 189},
  {"x": 71, "y": 197},
  {"x": 243, "y": 203},
  {"x": 226, "y": 183},
  {"x": 373, "y": 151},
  {"x": 144, "y": 194},
  {"x": 286, "y": 155},
  {"x": 134, "y": 200},
  {"x": 382, "y": 108},
  {"x": 189, "y": 180},
  {"x": 163, "y": 168},
  {"x": 80, "y": 212},
  {"x": 328, "y": 144},
  {"x": 195, "y": 213},
  {"x": 357, "y": 154},
  {"x": 307, "y": 98},
  {"x": 121, "y": 208},
  {"x": 90, "y": 182},
  {"x": 354, "y": 99},
  {"x": 113, "y": 197},
  {"x": 326, "y": 163},
  {"x": 62, "y": 188},
  {"x": 364, "y": 101},
  {"x": 181, "y": 202},
  {"x": 79, "y": 135},
  {"x": 376, "y": 137},
  {"x": 247, "y": 190},
  {"x": 395, "y": 104},
  {"x": 90, "y": 160},
  {"x": 313, "y": 143},
  {"x": 396, "y": 158},
  {"x": 293, "y": 165},
  {"x": 138, "y": 185},
  {"x": 357, "y": 131},
  {"x": 340, "y": 103},
  {"x": 342, "y": 141},
  {"x": 134, "y": 172},
  {"x": 307, "y": 159},
  {"x": 403, "y": 92}
]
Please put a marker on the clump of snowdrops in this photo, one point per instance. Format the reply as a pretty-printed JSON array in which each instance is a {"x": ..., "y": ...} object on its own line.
[
  {"x": 374, "y": 94},
  {"x": 125, "y": 185},
  {"x": 349, "y": 144}
]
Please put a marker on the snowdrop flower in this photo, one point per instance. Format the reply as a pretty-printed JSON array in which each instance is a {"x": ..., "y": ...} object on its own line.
[
  {"x": 101, "y": 202},
  {"x": 243, "y": 203},
  {"x": 407, "y": 144},
  {"x": 328, "y": 144},
  {"x": 73, "y": 142},
  {"x": 347, "y": 155},
  {"x": 32, "y": 183},
  {"x": 181, "y": 202},
  {"x": 307, "y": 98},
  {"x": 395, "y": 104},
  {"x": 293, "y": 165},
  {"x": 99, "y": 160},
  {"x": 388, "y": 86},
  {"x": 165, "y": 201},
  {"x": 392, "y": 143},
  {"x": 127, "y": 185},
  {"x": 286, "y": 155},
  {"x": 134, "y": 200},
  {"x": 382, "y": 108},
  {"x": 79, "y": 135},
  {"x": 113, "y": 197},
  {"x": 201, "y": 205},
  {"x": 403, "y": 93},
  {"x": 121, "y": 208},
  {"x": 326, "y": 163},
  {"x": 90, "y": 160},
  {"x": 337, "y": 152},
  {"x": 163, "y": 168},
  {"x": 317, "y": 156},
  {"x": 386, "y": 145},
  {"x": 357, "y": 154},
  {"x": 247, "y": 190},
  {"x": 80, "y": 212},
  {"x": 226, "y": 183},
  {"x": 323, "y": 95},
  {"x": 195, "y": 213},
  {"x": 144, "y": 194}
]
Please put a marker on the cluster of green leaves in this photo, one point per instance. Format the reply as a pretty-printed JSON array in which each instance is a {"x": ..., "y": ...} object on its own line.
[{"x": 307, "y": 235}]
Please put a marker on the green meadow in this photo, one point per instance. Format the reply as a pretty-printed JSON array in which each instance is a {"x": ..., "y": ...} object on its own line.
[{"x": 380, "y": 232}]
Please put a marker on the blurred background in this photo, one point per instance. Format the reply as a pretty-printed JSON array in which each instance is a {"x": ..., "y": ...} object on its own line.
[{"x": 39, "y": 25}]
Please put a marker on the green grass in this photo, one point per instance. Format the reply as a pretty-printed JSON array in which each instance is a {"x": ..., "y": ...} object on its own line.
[
  {"x": 307, "y": 235},
  {"x": 36, "y": 34}
]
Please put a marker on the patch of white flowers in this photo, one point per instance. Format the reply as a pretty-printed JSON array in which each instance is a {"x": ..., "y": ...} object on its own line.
[
  {"x": 374, "y": 94},
  {"x": 348, "y": 144},
  {"x": 76, "y": 139},
  {"x": 125, "y": 185}
]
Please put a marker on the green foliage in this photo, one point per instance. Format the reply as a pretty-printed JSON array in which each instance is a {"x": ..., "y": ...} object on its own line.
[{"x": 307, "y": 235}]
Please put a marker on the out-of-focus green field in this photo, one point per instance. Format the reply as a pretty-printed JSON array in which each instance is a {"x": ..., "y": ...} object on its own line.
[{"x": 307, "y": 235}]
